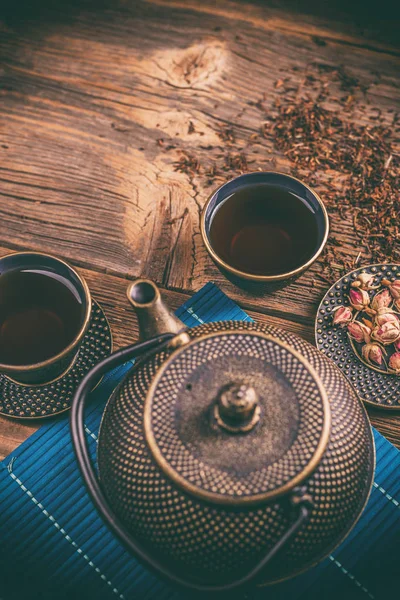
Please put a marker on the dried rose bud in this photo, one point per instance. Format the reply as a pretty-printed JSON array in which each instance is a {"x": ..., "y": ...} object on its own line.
[
  {"x": 373, "y": 353},
  {"x": 359, "y": 332},
  {"x": 388, "y": 333},
  {"x": 342, "y": 315},
  {"x": 359, "y": 299},
  {"x": 397, "y": 345},
  {"x": 394, "y": 363},
  {"x": 386, "y": 317},
  {"x": 364, "y": 281},
  {"x": 394, "y": 287},
  {"x": 381, "y": 300}
]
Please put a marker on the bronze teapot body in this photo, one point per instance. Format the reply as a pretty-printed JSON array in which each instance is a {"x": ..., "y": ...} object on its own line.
[{"x": 232, "y": 453}]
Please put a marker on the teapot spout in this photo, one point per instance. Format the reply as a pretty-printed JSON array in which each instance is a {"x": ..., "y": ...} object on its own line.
[{"x": 153, "y": 315}]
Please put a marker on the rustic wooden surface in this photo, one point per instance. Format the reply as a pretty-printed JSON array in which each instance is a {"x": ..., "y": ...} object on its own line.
[{"x": 99, "y": 100}]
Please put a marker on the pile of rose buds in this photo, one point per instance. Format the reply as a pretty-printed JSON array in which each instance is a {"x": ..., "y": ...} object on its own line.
[{"x": 376, "y": 322}]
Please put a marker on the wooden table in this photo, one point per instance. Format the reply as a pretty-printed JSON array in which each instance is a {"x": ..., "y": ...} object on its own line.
[{"x": 100, "y": 100}]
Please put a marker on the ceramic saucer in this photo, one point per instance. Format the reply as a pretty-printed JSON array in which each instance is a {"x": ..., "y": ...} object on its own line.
[
  {"x": 373, "y": 387},
  {"x": 47, "y": 400}
]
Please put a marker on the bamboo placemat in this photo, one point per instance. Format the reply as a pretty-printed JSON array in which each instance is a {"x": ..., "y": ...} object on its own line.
[{"x": 53, "y": 545}]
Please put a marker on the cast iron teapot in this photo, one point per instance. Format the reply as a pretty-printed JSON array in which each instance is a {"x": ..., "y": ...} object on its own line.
[{"x": 231, "y": 453}]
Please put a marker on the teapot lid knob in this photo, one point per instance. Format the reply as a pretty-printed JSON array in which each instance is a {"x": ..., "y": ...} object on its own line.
[
  {"x": 236, "y": 416},
  {"x": 237, "y": 408}
]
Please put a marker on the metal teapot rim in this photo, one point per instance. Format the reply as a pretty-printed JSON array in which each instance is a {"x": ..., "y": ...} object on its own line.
[{"x": 216, "y": 497}]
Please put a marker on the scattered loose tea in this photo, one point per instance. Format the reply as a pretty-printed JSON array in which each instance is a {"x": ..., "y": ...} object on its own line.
[
  {"x": 227, "y": 134},
  {"x": 352, "y": 162},
  {"x": 354, "y": 166},
  {"x": 187, "y": 163}
]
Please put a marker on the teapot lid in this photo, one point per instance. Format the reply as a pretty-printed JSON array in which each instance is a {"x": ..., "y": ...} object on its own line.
[{"x": 237, "y": 417}]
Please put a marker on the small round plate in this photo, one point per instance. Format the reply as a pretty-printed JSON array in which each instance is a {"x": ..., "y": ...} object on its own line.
[
  {"x": 47, "y": 400},
  {"x": 372, "y": 386}
]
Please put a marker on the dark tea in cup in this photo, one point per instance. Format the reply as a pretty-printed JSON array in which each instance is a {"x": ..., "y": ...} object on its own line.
[
  {"x": 264, "y": 230},
  {"x": 40, "y": 315},
  {"x": 45, "y": 308}
]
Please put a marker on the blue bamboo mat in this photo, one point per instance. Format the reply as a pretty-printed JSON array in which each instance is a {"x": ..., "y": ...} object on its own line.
[{"x": 53, "y": 546}]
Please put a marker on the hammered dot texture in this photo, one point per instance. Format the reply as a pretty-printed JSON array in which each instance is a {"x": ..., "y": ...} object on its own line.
[
  {"x": 215, "y": 461},
  {"x": 211, "y": 542},
  {"x": 47, "y": 400},
  {"x": 372, "y": 387}
]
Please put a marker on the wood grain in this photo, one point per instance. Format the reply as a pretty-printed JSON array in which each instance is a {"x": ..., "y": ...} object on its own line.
[
  {"x": 111, "y": 292},
  {"x": 91, "y": 103},
  {"x": 99, "y": 100},
  {"x": 342, "y": 22}
]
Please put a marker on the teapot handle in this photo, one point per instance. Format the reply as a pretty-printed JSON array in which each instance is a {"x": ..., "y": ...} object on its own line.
[{"x": 300, "y": 500}]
